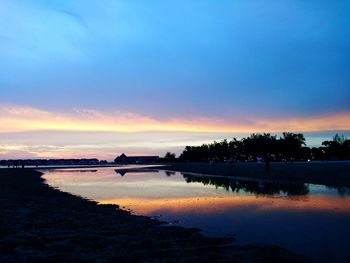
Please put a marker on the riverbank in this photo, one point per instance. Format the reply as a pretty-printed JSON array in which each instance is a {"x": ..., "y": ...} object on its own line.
[
  {"x": 329, "y": 173},
  {"x": 41, "y": 224}
]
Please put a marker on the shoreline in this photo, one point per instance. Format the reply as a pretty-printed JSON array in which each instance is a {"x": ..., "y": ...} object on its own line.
[{"x": 41, "y": 223}]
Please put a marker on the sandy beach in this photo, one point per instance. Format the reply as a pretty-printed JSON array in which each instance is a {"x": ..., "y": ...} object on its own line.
[{"x": 42, "y": 224}]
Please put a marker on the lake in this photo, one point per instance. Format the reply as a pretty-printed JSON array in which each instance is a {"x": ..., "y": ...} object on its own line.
[{"x": 311, "y": 220}]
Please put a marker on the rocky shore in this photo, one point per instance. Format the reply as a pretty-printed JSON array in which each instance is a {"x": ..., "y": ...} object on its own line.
[{"x": 41, "y": 224}]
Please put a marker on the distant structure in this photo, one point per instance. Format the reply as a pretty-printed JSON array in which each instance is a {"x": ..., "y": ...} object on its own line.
[{"x": 136, "y": 159}]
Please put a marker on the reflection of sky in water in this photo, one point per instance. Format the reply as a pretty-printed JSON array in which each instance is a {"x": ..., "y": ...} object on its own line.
[{"x": 309, "y": 219}]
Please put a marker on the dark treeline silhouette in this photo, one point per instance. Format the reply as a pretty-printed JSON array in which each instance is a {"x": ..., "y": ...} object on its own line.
[
  {"x": 50, "y": 162},
  {"x": 288, "y": 147},
  {"x": 169, "y": 157}
]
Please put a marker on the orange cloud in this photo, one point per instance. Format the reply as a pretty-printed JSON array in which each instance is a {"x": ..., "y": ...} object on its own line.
[{"x": 22, "y": 119}]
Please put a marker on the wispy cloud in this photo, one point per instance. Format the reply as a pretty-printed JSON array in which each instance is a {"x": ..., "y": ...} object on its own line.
[
  {"x": 28, "y": 132},
  {"x": 24, "y": 119}
]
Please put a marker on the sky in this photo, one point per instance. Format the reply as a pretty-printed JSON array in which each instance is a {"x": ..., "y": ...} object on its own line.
[{"x": 90, "y": 78}]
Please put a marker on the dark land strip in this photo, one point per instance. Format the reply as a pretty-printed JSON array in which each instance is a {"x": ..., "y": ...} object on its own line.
[{"x": 41, "y": 224}]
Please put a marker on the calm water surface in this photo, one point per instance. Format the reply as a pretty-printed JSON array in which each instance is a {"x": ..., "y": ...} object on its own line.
[{"x": 313, "y": 220}]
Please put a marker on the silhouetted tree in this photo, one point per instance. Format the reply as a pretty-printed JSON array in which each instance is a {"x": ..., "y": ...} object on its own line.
[
  {"x": 288, "y": 147},
  {"x": 338, "y": 148},
  {"x": 170, "y": 156},
  {"x": 259, "y": 145},
  {"x": 235, "y": 148}
]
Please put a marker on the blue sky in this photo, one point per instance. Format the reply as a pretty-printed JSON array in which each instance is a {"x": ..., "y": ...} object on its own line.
[{"x": 226, "y": 60}]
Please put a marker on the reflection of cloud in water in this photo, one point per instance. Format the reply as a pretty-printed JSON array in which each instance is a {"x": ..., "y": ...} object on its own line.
[
  {"x": 266, "y": 212},
  {"x": 205, "y": 205}
]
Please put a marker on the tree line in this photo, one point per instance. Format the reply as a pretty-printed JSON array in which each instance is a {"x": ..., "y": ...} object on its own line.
[{"x": 288, "y": 147}]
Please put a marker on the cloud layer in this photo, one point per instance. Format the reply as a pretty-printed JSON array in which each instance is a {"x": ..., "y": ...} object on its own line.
[
  {"x": 28, "y": 132},
  {"x": 26, "y": 119}
]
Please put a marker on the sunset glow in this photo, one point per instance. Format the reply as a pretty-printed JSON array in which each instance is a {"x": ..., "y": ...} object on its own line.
[
  {"x": 32, "y": 132},
  {"x": 25, "y": 119}
]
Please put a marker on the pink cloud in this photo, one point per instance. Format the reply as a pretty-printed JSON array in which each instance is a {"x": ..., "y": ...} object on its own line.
[{"x": 24, "y": 118}]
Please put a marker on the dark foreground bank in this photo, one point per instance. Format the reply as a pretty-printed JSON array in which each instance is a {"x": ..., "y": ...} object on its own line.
[
  {"x": 331, "y": 173},
  {"x": 42, "y": 224}
]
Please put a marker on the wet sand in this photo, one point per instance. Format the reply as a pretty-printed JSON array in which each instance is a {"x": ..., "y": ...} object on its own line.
[
  {"x": 330, "y": 173},
  {"x": 41, "y": 224}
]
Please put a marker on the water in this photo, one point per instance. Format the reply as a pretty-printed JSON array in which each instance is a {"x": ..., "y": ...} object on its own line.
[{"x": 312, "y": 220}]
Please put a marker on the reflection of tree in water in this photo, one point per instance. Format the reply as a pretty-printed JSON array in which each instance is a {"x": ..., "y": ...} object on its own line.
[
  {"x": 342, "y": 190},
  {"x": 169, "y": 173},
  {"x": 256, "y": 187}
]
